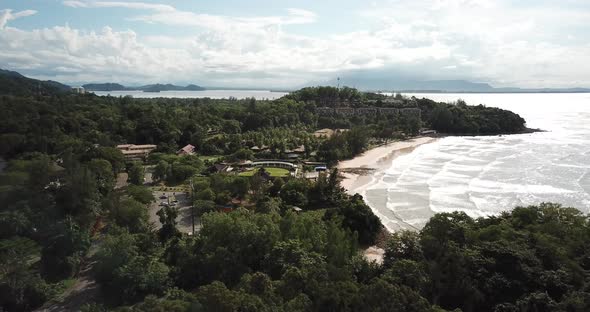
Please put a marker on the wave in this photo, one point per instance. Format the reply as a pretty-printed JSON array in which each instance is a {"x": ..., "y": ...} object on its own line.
[{"x": 484, "y": 176}]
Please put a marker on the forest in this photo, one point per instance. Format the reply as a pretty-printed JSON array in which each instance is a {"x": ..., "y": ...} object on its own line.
[
  {"x": 53, "y": 124},
  {"x": 290, "y": 244}
]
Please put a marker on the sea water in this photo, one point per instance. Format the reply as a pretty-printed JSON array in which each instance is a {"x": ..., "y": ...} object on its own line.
[
  {"x": 213, "y": 94},
  {"x": 485, "y": 175}
]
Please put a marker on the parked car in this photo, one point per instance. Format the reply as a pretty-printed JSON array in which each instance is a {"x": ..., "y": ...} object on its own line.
[
  {"x": 163, "y": 197},
  {"x": 163, "y": 204}
]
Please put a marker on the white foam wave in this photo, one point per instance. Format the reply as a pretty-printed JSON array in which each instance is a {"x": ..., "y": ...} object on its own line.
[{"x": 488, "y": 175}]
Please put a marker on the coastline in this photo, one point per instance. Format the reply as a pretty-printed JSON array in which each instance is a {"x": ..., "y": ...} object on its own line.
[{"x": 357, "y": 172}]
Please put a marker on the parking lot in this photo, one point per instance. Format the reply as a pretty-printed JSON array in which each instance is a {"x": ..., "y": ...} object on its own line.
[{"x": 184, "y": 210}]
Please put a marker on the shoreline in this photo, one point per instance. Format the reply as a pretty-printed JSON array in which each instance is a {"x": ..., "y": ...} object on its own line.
[{"x": 357, "y": 172}]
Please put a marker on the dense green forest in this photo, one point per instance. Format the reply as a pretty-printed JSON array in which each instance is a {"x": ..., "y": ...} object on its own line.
[
  {"x": 289, "y": 244},
  {"x": 16, "y": 84},
  {"x": 53, "y": 124}
]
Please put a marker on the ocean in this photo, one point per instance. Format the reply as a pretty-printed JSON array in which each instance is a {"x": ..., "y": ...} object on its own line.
[
  {"x": 213, "y": 94},
  {"x": 485, "y": 175}
]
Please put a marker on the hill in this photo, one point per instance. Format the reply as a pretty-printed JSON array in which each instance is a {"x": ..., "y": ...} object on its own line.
[
  {"x": 170, "y": 87},
  {"x": 13, "y": 83},
  {"x": 109, "y": 86},
  {"x": 104, "y": 87}
]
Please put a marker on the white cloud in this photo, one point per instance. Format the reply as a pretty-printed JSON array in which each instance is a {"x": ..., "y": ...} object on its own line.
[
  {"x": 504, "y": 42},
  {"x": 7, "y": 15},
  {"x": 118, "y": 4},
  {"x": 479, "y": 40}
]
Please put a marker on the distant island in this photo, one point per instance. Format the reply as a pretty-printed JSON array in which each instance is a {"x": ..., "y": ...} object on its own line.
[
  {"x": 147, "y": 88},
  {"x": 104, "y": 87}
]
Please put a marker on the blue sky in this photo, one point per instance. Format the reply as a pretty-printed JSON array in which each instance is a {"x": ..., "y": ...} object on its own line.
[{"x": 531, "y": 43}]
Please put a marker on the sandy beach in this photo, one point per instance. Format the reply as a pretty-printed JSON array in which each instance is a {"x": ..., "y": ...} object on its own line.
[{"x": 357, "y": 171}]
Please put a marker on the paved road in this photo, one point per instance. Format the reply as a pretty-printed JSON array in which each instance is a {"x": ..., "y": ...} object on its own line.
[{"x": 184, "y": 213}]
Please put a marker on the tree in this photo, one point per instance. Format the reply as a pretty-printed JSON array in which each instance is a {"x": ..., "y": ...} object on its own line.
[
  {"x": 103, "y": 171},
  {"x": 168, "y": 217},
  {"x": 404, "y": 245},
  {"x": 357, "y": 140},
  {"x": 136, "y": 174},
  {"x": 162, "y": 171},
  {"x": 113, "y": 156},
  {"x": 141, "y": 194},
  {"x": 294, "y": 192},
  {"x": 181, "y": 172},
  {"x": 131, "y": 214},
  {"x": 202, "y": 207},
  {"x": 408, "y": 273},
  {"x": 240, "y": 187},
  {"x": 358, "y": 217},
  {"x": 23, "y": 286},
  {"x": 205, "y": 194},
  {"x": 223, "y": 198},
  {"x": 79, "y": 196},
  {"x": 62, "y": 255},
  {"x": 141, "y": 276},
  {"x": 382, "y": 296},
  {"x": 235, "y": 243},
  {"x": 216, "y": 297},
  {"x": 241, "y": 154},
  {"x": 442, "y": 119},
  {"x": 116, "y": 250},
  {"x": 268, "y": 205},
  {"x": 442, "y": 229},
  {"x": 231, "y": 127}
]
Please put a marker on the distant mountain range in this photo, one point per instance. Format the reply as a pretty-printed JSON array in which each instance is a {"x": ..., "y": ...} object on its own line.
[
  {"x": 147, "y": 88},
  {"x": 392, "y": 84},
  {"x": 13, "y": 83}
]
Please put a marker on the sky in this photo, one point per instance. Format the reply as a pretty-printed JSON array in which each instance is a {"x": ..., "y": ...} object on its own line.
[{"x": 286, "y": 44}]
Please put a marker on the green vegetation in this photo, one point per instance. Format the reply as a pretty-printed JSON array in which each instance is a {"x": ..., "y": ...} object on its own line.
[
  {"x": 229, "y": 127},
  {"x": 462, "y": 118},
  {"x": 16, "y": 84},
  {"x": 267, "y": 243},
  {"x": 175, "y": 169}
]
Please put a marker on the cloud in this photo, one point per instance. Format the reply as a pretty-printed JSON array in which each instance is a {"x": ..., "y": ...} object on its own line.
[
  {"x": 7, "y": 15},
  {"x": 118, "y": 4},
  {"x": 502, "y": 42},
  {"x": 166, "y": 14}
]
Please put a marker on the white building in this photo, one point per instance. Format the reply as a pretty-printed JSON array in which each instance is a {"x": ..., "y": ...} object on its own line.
[{"x": 78, "y": 90}]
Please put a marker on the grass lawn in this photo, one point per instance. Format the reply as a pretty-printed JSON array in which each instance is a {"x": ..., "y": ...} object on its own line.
[{"x": 274, "y": 172}]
